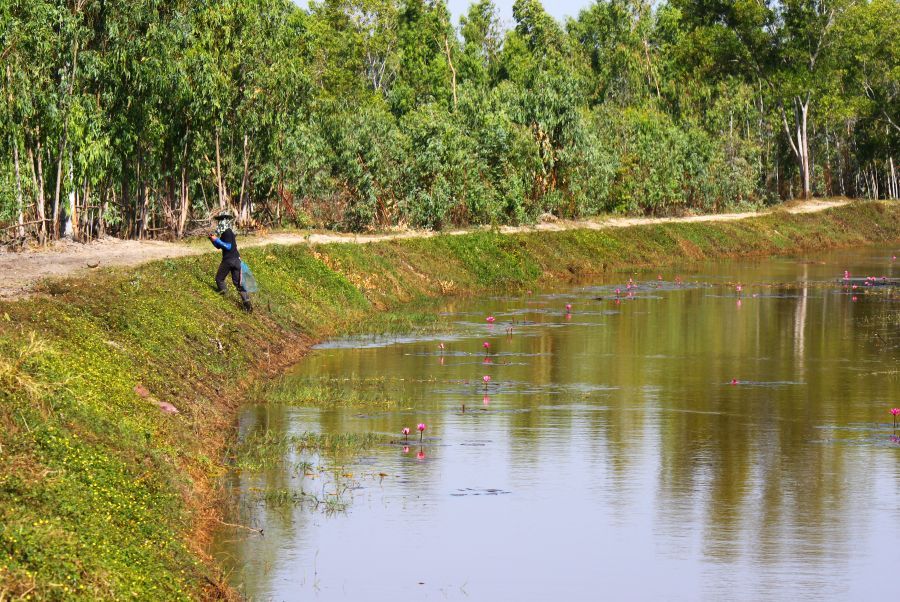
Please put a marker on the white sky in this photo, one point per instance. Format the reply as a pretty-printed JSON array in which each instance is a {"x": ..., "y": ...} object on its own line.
[{"x": 558, "y": 8}]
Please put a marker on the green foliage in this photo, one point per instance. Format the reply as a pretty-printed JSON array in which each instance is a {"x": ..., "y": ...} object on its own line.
[{"x": 141, "y": 119}]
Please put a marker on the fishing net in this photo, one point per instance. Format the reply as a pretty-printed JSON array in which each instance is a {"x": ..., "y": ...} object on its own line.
[{"x": 247, "y": 279}]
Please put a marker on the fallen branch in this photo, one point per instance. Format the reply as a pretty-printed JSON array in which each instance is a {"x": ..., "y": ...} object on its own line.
[{"x": 245, "y": 527}]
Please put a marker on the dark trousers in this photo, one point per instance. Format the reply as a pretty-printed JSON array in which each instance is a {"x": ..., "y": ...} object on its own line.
[{"x": 233, "y": 267}]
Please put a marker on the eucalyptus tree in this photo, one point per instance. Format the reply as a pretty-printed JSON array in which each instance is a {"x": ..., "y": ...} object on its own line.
[
  {"x": 482, "y": 42},
  {"x": 540, "y": 60},
  {"x": 426, "y": 50},
  {"x": 779, "y": 44},
  {"x": 37, "y": 57},
  {"x": 616, "y": 36},
  {"x": 864, "y": 95},
  {"x": 138, "y": 118},
  {"x": 10, "y": 113}
]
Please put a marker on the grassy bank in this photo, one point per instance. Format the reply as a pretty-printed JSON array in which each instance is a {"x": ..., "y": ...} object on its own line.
[{"x": 102, "y": 495}]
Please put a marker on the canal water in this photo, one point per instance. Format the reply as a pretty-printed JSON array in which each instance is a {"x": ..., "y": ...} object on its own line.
[{"x": 677, "y": 440}]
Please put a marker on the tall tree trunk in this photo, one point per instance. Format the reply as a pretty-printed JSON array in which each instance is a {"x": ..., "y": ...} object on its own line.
[
  {"x": 800, "y": 144},
  {"x": 20, "y": 203},
  {"x": 139, "y": 200},
  {"x": 71, "y": 217},
  {"x": 101, "y": 223},
  {"x": 185, "y": 200},
  {"x": 123, "y": 198},
  {"x": 893, "y": 183},
  {"x": 244, "y": 217},
  {"x": 54, "y": 231},
  {"x": 828, "y": 187},
  {"x": 37, "y": 175},
  {"x": 84, "y": 226},
  {"x": 171, "y": 204},
  {"x": 63, "y": 141},
  {"x": 143, "y": 198},
  {"x": 650, "y": 72},
  {"x": 452, "y": 73},
  {"x": 219, "y": 179},
  {"x": 804, "y": 133}
]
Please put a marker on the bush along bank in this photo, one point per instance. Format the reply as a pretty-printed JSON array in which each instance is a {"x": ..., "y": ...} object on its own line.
[{"x": 107, "y": 493}]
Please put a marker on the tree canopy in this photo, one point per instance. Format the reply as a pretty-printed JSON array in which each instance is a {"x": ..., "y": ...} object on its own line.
[{"x": 141, "y": 118}]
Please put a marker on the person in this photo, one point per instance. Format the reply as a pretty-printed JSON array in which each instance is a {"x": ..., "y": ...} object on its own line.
[{"x": 225, "y": 240}]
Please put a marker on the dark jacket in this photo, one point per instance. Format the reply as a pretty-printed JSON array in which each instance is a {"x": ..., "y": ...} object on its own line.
[{"x": 228, "y": 243}]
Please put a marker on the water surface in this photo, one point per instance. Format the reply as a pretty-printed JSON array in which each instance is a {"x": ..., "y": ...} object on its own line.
[{"x": 679, "y": 441}]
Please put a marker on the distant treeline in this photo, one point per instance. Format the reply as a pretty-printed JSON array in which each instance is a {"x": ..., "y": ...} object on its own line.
[{"x": 139, "y": 118}]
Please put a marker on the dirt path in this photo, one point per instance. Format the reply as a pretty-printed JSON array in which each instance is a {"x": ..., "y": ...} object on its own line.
[{"x": 22, "y": 271}]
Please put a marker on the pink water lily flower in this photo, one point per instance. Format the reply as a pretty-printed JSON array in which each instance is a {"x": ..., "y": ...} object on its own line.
[
  {"x": 421, "y": 428},
  {"x": 405, "y": 432},
  {"x": 568, "y": 307},
  {"x": 895, "y": 411},
  {"x": 486, "y": 345},
  {"x": 490, "y": 319}
]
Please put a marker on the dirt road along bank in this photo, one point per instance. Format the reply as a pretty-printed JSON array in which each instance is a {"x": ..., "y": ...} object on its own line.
[{"x": 22, "y": 271}]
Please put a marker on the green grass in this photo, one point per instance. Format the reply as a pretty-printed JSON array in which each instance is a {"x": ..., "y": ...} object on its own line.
[
  {"x": 102, "y": 496},
  {"x": 265, "y": 449},
  {"x": 328, "y": 393}
]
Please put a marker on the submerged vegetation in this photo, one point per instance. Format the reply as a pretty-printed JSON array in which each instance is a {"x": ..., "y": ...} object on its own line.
[
  {"x": 264, "y": 449},
  {"x": 326, "y": 393},
  {"x": 138, "y": 119},
  {"x": 102, "y": 495}
]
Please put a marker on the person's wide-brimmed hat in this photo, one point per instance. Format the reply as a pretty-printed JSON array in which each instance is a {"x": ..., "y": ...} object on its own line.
[{"x": 223, "y": 215}]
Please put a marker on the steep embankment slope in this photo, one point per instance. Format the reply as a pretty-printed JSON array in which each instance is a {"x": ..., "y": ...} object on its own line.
[{"x": 103, "y": 495}]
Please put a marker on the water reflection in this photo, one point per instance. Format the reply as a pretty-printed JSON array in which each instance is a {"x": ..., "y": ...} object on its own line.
[{"x": 668, "y": 440}]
